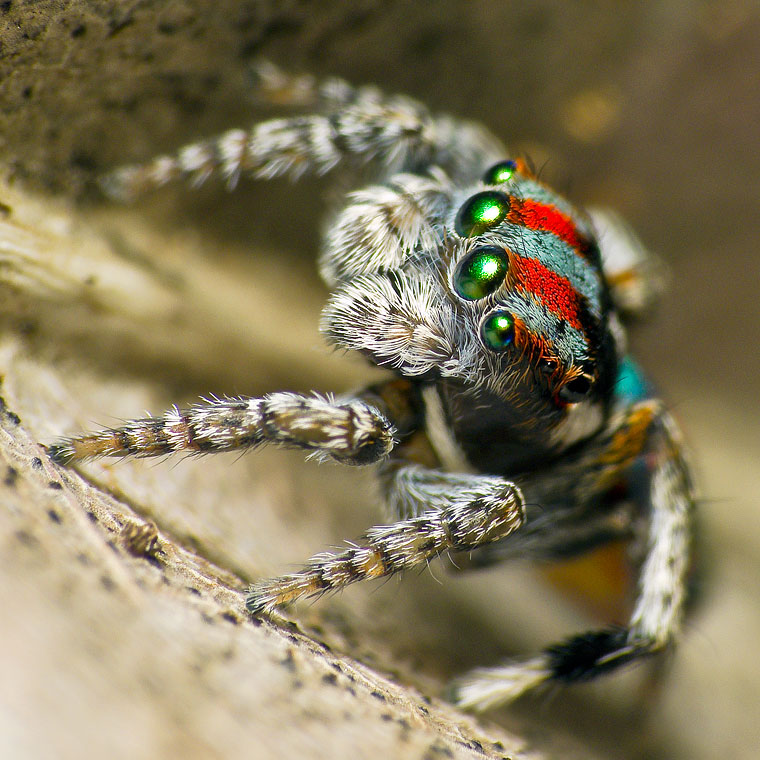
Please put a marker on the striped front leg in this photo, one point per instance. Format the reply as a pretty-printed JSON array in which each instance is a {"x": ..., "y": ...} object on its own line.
[
  {"x": 351, "y": 432},
  {"x": 473, "y": 519}
]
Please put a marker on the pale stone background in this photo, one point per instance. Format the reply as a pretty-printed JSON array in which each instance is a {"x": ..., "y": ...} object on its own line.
[{"x": 651, "y": 108}]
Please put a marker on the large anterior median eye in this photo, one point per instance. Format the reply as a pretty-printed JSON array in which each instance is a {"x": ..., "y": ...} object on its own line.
[
  {"x": 498, "y": 330},
  {"x": 481, "y": 272},
  {"x": 481, "y": 212}
]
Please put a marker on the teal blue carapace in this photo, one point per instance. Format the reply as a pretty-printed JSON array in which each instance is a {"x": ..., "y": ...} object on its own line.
[{"x": 481, "y": 272}]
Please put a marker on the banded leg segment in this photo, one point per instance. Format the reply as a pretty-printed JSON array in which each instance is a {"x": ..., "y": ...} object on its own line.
[
  {"x": 662, "y": 585},
  {"x": 358, "y": 125},
  {"x": 412, "y": 490},
  {"x": 351, "y": 431},
  {"x": 472, "y": 518}
]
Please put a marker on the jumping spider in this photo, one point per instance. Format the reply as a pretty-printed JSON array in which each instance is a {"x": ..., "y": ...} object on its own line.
[{"x": 515, "y": 424}]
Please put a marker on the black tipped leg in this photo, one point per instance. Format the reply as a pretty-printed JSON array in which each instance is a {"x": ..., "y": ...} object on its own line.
[
  {"x": 592, "y": 654},
  {"x": 60, "y": 453}
]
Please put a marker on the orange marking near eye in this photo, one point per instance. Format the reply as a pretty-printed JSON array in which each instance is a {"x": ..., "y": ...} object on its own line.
[{"x": 523, "y": 168}]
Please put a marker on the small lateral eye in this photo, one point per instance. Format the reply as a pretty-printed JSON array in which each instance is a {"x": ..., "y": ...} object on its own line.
[
  {"x": 548, "y": 366},
  {"x": 500, "y": 172},
  {"x": 577, "y": 389},
  {"x": 481, "y": 272},
  {"x": 481, "y": 211},
  {"x": 498, "y": 330}
]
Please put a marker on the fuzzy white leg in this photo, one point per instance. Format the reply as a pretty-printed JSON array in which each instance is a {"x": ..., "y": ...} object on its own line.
[{"x": 485, "y": 688}]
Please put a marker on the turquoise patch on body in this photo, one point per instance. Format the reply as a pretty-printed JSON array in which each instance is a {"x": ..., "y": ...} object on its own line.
[{"x": 631, "y": 384}]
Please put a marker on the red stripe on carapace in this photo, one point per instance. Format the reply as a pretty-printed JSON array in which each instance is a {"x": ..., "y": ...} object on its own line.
[
  {"x": 551, "y": 289},
  {"x": 546, "y": 218}
]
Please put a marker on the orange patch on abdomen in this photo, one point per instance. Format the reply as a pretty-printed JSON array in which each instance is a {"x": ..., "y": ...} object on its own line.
[{"x": 602, "y": 581}]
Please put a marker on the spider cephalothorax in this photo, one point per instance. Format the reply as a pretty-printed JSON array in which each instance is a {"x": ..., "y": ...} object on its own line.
[
  {"x": 514, "y": 424},
  {"x": 503, "y": 302}
]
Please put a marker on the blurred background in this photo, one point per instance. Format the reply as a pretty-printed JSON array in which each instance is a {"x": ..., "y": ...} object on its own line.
[{"x": 649, "y": 108}]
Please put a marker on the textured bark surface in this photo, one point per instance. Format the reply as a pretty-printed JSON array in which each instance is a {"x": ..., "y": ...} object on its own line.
[
  {"x": 122, "y": 636},
  {"x": 130, "y": 643}
]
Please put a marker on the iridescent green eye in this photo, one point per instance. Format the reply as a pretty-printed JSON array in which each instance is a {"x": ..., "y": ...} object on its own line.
[
  {"x": 481, "y": 211},
  {"x": 481, "y": 272},
  {"x": 498, "y": 330},
  {"x": 500, "y": 172}
]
